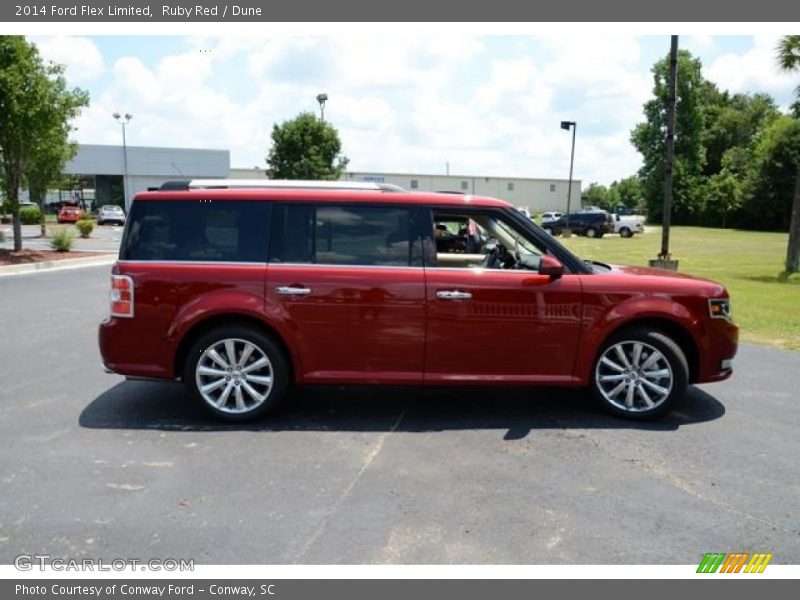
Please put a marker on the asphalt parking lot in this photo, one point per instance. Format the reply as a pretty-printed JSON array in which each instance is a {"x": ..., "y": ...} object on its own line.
[{"x": 95, "y": 466}]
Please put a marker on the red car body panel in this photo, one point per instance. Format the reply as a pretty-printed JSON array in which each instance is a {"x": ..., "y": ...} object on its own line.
[
  {"x": 387, "y": 325},
  {"x": 518, "y": 327},
  {"x": 364, "y": 324}
]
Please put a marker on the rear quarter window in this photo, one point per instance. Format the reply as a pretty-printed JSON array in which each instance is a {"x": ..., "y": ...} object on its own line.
[{"x": 201, "y": 230}]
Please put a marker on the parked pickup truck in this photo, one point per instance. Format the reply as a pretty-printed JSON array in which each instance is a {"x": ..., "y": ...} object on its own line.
[{"x": 626, "y": 226}]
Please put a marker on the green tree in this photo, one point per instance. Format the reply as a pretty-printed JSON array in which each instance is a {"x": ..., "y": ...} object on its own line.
[
  {"x": 772, "y": 178},
  {"x": 725, "y": 190},
  {"x": 789, "y": 60},
  {"x": 733, "y": 122},
  {"x": 695, "y": 97},
  {"x": 629, "y": 192},
  {"x": 305, "y": 148},
  {"x": 599, "y": 195},
  {"x": 35, "y": 110}
]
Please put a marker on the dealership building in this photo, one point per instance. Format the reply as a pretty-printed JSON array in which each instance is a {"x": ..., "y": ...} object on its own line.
[{"x": 98, "y": 172}]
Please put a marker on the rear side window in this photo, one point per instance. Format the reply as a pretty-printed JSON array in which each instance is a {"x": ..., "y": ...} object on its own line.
[
  {"x": 202, "y": 230},
  {"x": 345, "y": 235}
]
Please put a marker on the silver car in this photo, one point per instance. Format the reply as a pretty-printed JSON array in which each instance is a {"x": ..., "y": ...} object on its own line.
[{"x": 110, "y": 213}]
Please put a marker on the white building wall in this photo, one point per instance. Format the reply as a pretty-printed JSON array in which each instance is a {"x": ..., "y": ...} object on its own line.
[
  {"x": 149, "y": 167},
  {"x": 538, "y": 195}
]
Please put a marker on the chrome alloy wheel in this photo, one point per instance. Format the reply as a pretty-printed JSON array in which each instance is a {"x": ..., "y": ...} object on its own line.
[
  {"x": 634, "y": 376},
  {"x": 234, "y": 376}
]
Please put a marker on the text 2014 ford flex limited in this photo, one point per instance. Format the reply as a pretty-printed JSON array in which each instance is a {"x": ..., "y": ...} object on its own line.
[{"x": 240, "y": 289}]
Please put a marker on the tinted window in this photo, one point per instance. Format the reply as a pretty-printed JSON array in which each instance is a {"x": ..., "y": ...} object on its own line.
[
  {"x": 230, "y": 231},
  {"x": 345, "y": 235}
]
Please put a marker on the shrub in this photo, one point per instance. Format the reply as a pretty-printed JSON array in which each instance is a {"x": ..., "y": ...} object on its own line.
[
  {"x": 85, "y": 227},
  {"x": 30, "y": 215},
  {"x": 62, "y": 240}
]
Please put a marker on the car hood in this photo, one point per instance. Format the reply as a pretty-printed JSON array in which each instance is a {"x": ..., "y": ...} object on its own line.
[{"x": 648, "y": 271}]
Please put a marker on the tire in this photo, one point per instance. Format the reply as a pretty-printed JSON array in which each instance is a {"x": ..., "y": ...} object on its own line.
[
  {"x": 549, "y": 230},
  {"x": 630, "y": 393},
  {"x": 591, "y": 232},
  {"x": 99, "y": 222},
  {"x": 625, "y": 232},
  {"x": 249, "y": 393}
]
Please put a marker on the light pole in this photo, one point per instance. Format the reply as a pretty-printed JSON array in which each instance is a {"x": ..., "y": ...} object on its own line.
[
  {"x": 565, "y": 125},
  {"x": 322, "y": 99},
  {"x": 124, "y": 120}
]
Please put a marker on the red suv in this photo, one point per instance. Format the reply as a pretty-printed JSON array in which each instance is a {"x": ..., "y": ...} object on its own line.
[{"x": 242, "y": 288}]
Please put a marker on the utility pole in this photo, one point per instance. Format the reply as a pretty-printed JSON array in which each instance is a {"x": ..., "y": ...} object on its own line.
[{"x": 664, "y": 260}]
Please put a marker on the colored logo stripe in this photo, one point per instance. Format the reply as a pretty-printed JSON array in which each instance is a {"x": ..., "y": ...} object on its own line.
[
  {"x": 759, "y": 562},
  {"x": 733, "y": 563}
]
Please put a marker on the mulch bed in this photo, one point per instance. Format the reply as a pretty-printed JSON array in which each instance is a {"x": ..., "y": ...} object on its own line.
[{"x": 9, "y": 257}]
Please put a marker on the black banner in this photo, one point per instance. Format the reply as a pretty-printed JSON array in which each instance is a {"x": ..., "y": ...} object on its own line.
[
  {"x": 385, "y": 589},
  {"x": 198, "y": 11}
]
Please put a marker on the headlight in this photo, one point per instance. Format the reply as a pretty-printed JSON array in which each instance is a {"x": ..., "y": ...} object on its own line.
[{"x": 720, "y": 308}]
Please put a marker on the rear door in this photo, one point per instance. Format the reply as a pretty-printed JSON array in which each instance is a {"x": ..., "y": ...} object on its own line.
[
  {"x": 491, "y": 321},
  {"x": 347, "y": 282}
]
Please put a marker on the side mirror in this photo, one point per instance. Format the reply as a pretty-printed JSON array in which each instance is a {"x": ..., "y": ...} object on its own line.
[{"x": 550, "y": 266}]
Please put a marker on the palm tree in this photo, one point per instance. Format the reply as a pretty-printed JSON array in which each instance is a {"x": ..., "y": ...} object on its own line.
[{"x": 789, "y": 60}]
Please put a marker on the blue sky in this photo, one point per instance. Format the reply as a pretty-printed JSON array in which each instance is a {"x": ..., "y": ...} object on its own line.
[{"x": 488, "y": 105}]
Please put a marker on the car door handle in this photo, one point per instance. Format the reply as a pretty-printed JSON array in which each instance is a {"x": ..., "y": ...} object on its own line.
[
  {"x": 288, "y": 290},
  {"x": 453, "y": 295}
]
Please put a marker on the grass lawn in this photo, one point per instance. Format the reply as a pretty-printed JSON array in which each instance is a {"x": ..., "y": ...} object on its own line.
[{"x": 748, "y": 263}]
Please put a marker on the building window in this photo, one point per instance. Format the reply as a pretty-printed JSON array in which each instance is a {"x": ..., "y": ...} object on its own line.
[
  {"x": 552, "y": 187},
  {"x": 465, "y": 185},
  {"x": 510, "y": 186},
  {"x": 414, "y": 184}
]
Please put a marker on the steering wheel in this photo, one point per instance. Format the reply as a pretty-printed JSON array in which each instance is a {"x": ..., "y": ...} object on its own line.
[{"x": 492, "y": 259}]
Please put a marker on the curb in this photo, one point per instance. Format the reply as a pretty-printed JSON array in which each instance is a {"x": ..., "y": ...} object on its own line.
[{"x": 58, "y": 265}]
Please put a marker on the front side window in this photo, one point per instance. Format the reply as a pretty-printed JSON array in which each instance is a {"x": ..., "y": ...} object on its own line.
[
  {"x": 197, "y": 230},
  {"x": 484, "y": 239},
  {"x": 345, "y": 235}
]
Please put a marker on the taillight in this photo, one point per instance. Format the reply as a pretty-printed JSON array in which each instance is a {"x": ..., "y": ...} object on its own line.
[{"x": 121, "y": 296}]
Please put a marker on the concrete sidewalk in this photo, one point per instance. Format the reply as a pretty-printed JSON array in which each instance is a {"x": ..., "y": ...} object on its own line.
[{"x": 57, "y": 265}]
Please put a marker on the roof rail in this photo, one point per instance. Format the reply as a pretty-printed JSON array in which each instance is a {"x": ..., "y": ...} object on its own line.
[{"x": 278, "y": 184}]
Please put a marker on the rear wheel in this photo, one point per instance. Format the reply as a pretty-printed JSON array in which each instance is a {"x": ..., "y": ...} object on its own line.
[
  {"x": 591, "y": 232},
  {"x": 237, "y": 374},
  {"x": 549, "y": 230},
  {"x": 640, "y": 374},
  {"x": 625, "y": 232}
]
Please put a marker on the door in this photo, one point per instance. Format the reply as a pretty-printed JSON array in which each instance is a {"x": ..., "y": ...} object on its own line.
[
  {"x": 347, "y": 282},
  {"x": 498, "y": 319}
]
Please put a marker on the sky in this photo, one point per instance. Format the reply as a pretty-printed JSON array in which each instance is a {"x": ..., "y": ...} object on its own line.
[{"x": 402, "y": 102}]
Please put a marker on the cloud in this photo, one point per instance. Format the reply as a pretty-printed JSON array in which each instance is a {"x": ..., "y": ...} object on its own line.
[
  {"x": 80, "y": 56},
  {"x": 404, "y": 102},
  {"x": 755, "y": 70}
]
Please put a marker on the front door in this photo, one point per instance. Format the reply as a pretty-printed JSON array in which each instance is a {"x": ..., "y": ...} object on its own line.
[{"x": 490, "y": 315}]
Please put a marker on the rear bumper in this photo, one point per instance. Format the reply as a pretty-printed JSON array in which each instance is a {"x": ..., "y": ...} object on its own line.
[{"x": 123, "y": 352}]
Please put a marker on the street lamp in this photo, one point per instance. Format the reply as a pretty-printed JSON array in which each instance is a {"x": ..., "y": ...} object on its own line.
[
  {"x": 322, "y": 99},
  {"x": 565, "y": 125},
  {"x": 124, "y": 120}
]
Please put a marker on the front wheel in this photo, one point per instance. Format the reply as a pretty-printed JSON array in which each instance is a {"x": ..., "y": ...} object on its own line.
[
  {"x": 236, "y": 373},
  {"x": 640, "y": 374}
]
